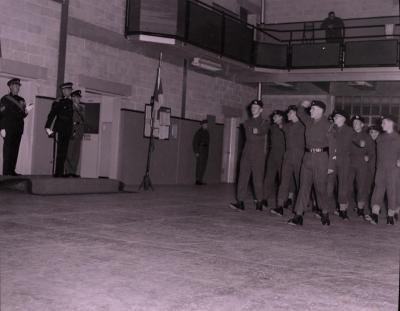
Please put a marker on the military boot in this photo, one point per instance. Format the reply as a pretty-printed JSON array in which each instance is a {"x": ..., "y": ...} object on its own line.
[
  {"x": 239, "y": 205},
  {"x": 390, "y": 220},
  {"x": 374, "y": 219},
  {"x": 360, "y": 212},
  {"x": 325, "y": 219},
  {"x": 343, "y": 215},
  {"x": 277, "y": 211},
  {"x": 259, "y": 206},
  {"x": 296, "y": 221}
]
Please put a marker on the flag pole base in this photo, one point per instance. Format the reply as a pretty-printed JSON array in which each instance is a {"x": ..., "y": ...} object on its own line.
[{"x": 146, "y": 183}]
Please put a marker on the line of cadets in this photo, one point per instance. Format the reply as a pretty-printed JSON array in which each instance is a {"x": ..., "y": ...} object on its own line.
[{"x": 320, "y": 162}]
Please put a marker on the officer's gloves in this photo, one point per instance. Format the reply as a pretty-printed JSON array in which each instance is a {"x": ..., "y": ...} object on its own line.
[
  {"x": 49, "y": 132},
  {"x": 3, "y": 133}
]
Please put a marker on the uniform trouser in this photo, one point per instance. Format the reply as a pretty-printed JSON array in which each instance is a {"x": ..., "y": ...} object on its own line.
[
  {"x": 386, "y": 181},
  {"x": 10, "y": 151},
  {"x": 73, "y": 155},
  {"x": 201, "y": 164},
  {"x": 274, "y": 168},
  {"x": 360, "y": 174},
  {"x": 251, "y": 164},
  {"x": 314, "y": 171},
  {"x": 62, "y": 150},
  {"x": 290, "y": 174},
  {"x": 339, "y": 179}
]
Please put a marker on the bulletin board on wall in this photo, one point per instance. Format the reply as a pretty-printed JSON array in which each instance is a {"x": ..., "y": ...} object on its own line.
[
  {"x": 92, "y": 118},
  {"x": 161, "y": 121}
]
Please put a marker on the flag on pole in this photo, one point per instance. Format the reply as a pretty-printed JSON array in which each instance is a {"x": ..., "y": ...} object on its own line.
[{"x": 158, "y": 93}]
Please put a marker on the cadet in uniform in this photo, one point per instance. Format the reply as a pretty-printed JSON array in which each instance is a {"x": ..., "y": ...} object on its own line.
[
  {"x": 294, "y": 137},
  {"x": 343, "y": 137},
  {"x": 78, "y": 129},
  {"x": 387, "y": 170},
  {"x": 201, "y": 141},
  {"x": 253, "y": 157},
  {"x": 275, "y": 158},
  {"x": 360, "y": 154},
  {"x": 317, "y": 161},
  {"x": 61, "y": 113},
  {"x": 13, "y": 110}
]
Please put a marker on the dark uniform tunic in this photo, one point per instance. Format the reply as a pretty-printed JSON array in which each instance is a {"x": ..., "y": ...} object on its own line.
[
  {"x": 333, "y": 29},
  {"x": 359, "y": 167},
  {"x": 75, "y": 142},
  {"x": 314, "y": 169},
  {"x": 343, "y": 137},
  {"x": 12, "y": 112},
  {"x": 387, "y": 172},
  {"x": 294, "y": 136},
  {"x": 201, "y": 141},
  {"x": 274, "y": 163},
  {"x": 253, "y": 158},
  {"x": 61, "y": 113}
]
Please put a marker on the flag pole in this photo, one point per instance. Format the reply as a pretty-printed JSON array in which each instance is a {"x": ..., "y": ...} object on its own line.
[{"x": 146, "y": 183}]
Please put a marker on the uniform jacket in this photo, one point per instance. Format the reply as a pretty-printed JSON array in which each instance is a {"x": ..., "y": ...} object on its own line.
[
  {"x": 388, "y": 150},
  {"x": 358, "y": 153},
  {"x": 11, "y": 115},
  {"x": 201, "y": 141},
  {"x": 277, "y": 142},
  {"x": 255, "y": 142},
  {"x": 78, "y": 118},
  {"x": 62, "y": 114}
]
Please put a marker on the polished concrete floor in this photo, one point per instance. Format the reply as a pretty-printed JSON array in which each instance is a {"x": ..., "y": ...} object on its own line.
[{"x": 182, "y": 248}]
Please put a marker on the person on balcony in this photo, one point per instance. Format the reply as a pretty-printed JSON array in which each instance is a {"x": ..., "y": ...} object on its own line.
[{"x": 334, "y": 28}]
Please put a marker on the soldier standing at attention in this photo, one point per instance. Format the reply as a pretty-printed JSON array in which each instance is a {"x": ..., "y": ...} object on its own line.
[
  {"x": 201, "y": 141},
  {"x": 343, "y": 136},
  {"x": 253, "y": 157},
  {"x": 78, "y": 129},
  {"x": 13, "y": 111},
  {"x": 275, "y": 159},
  {"x": 61, "y": 113},
  {"x": 317, "y": 161},
  {"x": 360, "y": 154},
  {"x": 387, "y": 170},
  {"x": 294, "y": 134}
]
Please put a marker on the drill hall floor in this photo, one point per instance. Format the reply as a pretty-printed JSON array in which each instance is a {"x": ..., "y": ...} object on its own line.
[{"x": 182, "y": 248}]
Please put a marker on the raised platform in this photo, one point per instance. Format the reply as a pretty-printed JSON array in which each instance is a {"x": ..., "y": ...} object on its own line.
[{"x": 48, "y": 185}]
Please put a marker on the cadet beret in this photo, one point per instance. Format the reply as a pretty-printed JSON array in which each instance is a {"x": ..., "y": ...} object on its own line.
[
  {"x": 319, "y": 104},
  {"x": 374, "y": 127},
  {"x": 76, "y": 93},
  {"x": 14, "y": 81},
  {"x": 292, "y": 107},
  {"x": 66, "y": 85},
  {"x": 341, "y": 113},
  {"x": 390, "y": 117},
  {"x": 357, "y": 117},
  {"x": 277, "y": 112},
  {"x": 257, "y": 102}
]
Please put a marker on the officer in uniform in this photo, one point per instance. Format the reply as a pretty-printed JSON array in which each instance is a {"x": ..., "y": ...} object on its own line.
[
  {"x": 387, "y": 170},
  {"x": 294, "y": 137},
  {"x": 343, "y": 136},
  {"x": 360, "y": 154},
  {"x": 13, "y": 110},
  {"x": 78, "y": 129},
  {"x": 275, "y": 158},
  {"x": 317, "y": 161},
  {"x": 201, "y": 141},
  {"x": 253, "y": 157},
  {"x": 61, "y": 114}
]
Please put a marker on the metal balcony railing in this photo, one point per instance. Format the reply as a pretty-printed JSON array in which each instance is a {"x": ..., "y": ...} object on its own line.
[{"x": 284, "y": 46}]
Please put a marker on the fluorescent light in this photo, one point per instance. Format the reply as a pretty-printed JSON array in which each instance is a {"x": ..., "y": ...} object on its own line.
[
  {"x": 206, "y": 64},
  {"x": 156, "y": 39}
]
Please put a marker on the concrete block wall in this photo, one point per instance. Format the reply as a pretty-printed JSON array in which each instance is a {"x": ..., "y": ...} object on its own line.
[
  {"x": 278, "y": 11},
  {"x": 29, "y": 33}
]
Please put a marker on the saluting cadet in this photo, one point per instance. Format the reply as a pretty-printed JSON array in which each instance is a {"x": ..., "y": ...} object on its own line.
[
  {"x": 253, "y": 157},
  {"x": 343, "y": 136},
  {"x": 78, "y": 130},
  {"x": 361, "y": 153},
  {"x": 387, "y": 170},
  {"x": 62, "y": 114},
  {"x": 275, "y": 158},
  {"x": 317, "y": 161},
  {"x": 13, "y": 111},
  {"x": 294, "y": 137}
]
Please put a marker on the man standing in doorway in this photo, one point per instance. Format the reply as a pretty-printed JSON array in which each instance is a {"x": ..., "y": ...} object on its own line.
[
  {"x": 13, "y": 111},
  {"x": 61, "y": 113},
  {"x": 252, "y": 161},
  {"x": 201, "y": 141},
  {"x": 75, "y": 142}
]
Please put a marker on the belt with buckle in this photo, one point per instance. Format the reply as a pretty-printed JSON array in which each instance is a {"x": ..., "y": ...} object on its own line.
[{"x": 317, "y": 150}]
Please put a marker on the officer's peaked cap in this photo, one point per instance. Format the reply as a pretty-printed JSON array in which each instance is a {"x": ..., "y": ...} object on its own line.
[
  {"x": 76, "y": 93},
  {"x": 14, "y": 81},
  {"x": 66, "y": 85},
  {"x": 357, "y": 117},
  {"x": 257, "y": 102},
  {"x": 319, "y": 104}
]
